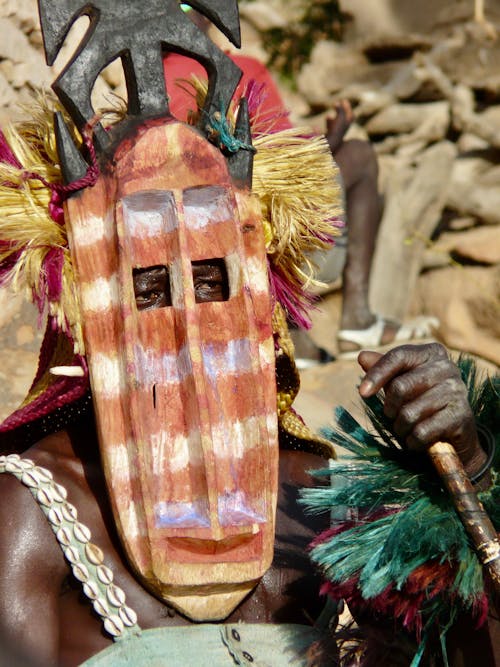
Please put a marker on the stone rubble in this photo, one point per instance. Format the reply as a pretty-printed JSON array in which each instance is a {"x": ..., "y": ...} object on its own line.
[{"x": 423, "y": 79}]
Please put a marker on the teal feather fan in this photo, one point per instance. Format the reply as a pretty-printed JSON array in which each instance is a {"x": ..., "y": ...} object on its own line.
[{"x": 401, "y": 550}]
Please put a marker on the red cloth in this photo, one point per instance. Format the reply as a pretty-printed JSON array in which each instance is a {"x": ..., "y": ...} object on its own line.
[{"x": 271, "y": 110}]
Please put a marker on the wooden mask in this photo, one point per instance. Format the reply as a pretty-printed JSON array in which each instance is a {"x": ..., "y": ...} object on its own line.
[{"x": 184, "y": 389}]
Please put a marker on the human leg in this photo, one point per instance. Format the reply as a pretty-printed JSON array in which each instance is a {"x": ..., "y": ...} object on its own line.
[
  {"x": 359, "y": 169},
  {"x": 359, "y": 326}
]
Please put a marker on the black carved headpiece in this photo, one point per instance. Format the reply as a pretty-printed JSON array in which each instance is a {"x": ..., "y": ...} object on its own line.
[{"x": 140, "y": 32}]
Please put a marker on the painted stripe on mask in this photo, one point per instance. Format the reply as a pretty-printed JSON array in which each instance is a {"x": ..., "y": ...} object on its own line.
[
  {"x": 233, "y": 439},
  {"x": 152, "y": 367},
  {"x": 101, "y": 294},
  {"x": 256, "y": 275},
  {"x": 91, "y": 229},
  {"x": 107, "y": 375},
  {"x": 179, "y": 514},
  {"x": 233, "y": 357},
  {"x": 234, "y": 509},
  {"x": 266, "y": 352},
  {"x": 206, "y": 206},
  {"x": 176, "y": 452},
  {"x": 149, "y": 213}
]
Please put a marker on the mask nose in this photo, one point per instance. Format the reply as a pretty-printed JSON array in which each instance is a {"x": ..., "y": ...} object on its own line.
[
  {"x": 233, "y": 509},
  {"x": 215, "y": 479}
]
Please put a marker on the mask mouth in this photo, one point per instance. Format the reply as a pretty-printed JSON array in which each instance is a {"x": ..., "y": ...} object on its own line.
[{"x": 189, "y": 550}]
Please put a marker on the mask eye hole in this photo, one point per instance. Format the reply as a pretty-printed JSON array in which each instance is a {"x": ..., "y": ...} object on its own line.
[
  {"x": 152, "y": 287},
  {"x": 210, "y": 280}
]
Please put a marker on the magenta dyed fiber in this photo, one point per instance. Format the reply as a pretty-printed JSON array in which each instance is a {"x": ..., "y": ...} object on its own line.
[
  {"x": 294, "y": 304},
  {"x": 6, "y": 154},
  {"x": 255, "y": 94},
  {"x": 53, "y": 266},
  {"x": 56, "y": 210}
]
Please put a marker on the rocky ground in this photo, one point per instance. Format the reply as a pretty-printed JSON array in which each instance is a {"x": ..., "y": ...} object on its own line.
[{"x": 424, "y": 81}]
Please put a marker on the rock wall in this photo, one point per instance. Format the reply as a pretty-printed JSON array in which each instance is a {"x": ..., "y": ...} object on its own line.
[{"x": 424, "y": 81}]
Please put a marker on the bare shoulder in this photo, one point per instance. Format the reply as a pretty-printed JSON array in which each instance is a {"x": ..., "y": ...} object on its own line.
[
  {"x": 28, "y": 550},
  {"x": 32, "y": 571},
  {"x": 23, "y": 527},
  {"x": 24, "y": 530}
]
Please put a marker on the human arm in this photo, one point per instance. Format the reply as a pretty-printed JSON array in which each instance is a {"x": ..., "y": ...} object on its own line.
[
  {"x": 406, "y": 539},
  {"x": 338, "y": 123}
]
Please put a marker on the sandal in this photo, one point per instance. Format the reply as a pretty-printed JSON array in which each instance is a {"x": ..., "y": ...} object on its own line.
[
  {"x": 324, "y": 357},
  {"x": 307, "y": 353},
  {"x": 371, "y": 338}
]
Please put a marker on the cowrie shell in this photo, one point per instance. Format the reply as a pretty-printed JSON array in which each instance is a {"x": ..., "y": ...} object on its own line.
[
  {"x": 72, "y": 554},
  {"x": 91, "y": 590},
  {"x": 115, "y": 595},
  {"x": 104, "y": 574},
  {"x": 64, "y": 536},
  {"x": 44, "y": 475},
  {"x": 80, "y": 572},
  {"x": 30, "y": 479},
  {"x": 13, "y": 467},
  {"x": 94, "y": 553},
  {"x": 128, "y": 616},
  {"x": 45, "y": 497},
  {"x": 101, "y": 607},
  {"x": 55, "y": 516},
  {"x": 60, "y": 493},
  {"x": 69, "y": 512},
  {"x": 81, "y": 532},
  {"x": 113, "y": 625}
]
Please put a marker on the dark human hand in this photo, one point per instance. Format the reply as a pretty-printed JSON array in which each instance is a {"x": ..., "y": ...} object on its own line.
[
  {"x": 338, "y": 123},
  {"x": 425, "y": 397}
]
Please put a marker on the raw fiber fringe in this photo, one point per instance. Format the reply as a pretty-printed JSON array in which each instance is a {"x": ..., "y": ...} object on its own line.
[
  {"x": 296, "y": 182},
  {"x": 34, "y": 254},
  {"x": 399, "y": 550}
]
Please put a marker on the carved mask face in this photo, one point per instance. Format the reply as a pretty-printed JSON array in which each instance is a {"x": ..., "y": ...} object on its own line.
[{"x": 172, "y": 275}]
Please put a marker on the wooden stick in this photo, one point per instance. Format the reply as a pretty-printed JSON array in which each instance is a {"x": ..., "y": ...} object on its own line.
[{"x": 470, "y": 510}]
